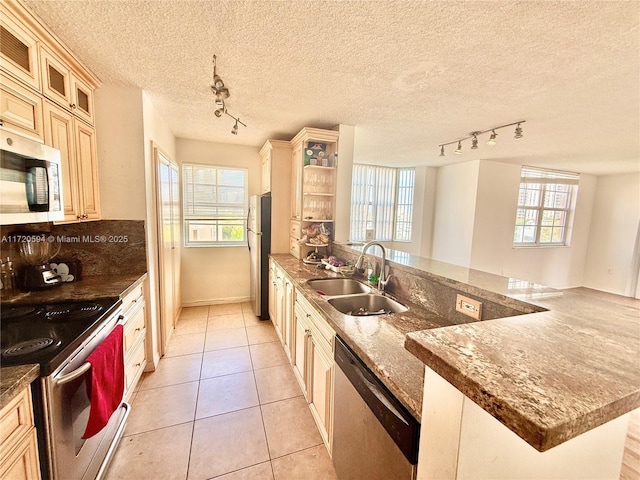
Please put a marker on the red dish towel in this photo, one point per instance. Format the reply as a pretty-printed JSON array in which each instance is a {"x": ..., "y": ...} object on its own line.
[{"x": 105, "y": 381}]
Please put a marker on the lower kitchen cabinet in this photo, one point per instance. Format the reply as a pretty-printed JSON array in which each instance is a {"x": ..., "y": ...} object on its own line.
[
  {"x": 314, "y": 364},
  {"x": 19, "y": 444},
  {"x": 134, "y": 314},
  {"x": 281, "y": 299}
]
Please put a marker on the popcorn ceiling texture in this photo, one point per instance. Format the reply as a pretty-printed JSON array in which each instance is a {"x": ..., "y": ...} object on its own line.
[{"x": 409, "y": 75}]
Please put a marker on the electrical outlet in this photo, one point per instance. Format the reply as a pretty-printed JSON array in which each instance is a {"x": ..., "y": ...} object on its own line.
[{"x": 468, "y": 306}]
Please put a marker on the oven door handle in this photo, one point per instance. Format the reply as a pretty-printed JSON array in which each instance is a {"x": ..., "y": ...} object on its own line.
[{"x": 78, "y": 372}]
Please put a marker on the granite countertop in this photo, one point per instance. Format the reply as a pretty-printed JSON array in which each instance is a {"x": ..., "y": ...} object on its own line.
[
  {"x": 89, "y": 288},
  {"x": 15, "y": 379},
  {"x": 547, "y": 376},
  {"x": 378, "y": 340}
]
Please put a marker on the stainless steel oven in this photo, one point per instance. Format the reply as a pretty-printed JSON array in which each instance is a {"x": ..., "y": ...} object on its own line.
[{"x": 69, "y": 333}]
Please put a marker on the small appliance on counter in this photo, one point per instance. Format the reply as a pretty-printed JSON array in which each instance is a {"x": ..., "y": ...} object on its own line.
[{"x": 36, "y": 252}]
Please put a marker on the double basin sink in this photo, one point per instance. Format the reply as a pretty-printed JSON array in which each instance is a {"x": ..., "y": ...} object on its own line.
[{"x": 354, "y": 298}]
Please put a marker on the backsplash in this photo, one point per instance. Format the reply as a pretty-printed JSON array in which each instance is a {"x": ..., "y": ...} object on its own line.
[
  {"x": 104, "y": 247},
  {"x": 438, "y": 294}
]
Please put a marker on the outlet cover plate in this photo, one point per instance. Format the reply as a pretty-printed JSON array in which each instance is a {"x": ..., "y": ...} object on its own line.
[{"x": 468, "y": 306}]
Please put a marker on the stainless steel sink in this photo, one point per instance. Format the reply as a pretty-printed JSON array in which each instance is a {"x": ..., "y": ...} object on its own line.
[
  {"x": 338, "y": 286},
  {"x": 367, "y": 304}
]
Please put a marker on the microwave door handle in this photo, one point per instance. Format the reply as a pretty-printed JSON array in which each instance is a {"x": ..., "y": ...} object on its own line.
[{"x": 78, "y": 372}]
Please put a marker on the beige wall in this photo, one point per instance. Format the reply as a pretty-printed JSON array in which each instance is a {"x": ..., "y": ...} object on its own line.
[
  {"x": 475, "y": 211},
  {"x": 612, "y": 261},
  {"x": 120, "y": 152},
  {"x": 454, "y": 214},
  {"x": 217, "y": 274},
  {"x": 495, "y": 214}
]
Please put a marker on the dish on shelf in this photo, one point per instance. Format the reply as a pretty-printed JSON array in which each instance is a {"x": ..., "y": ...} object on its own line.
[{"x": 316, "y": 244}]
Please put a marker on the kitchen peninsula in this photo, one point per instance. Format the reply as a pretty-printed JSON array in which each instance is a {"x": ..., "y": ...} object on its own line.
[{"x": 562, "y": 363}]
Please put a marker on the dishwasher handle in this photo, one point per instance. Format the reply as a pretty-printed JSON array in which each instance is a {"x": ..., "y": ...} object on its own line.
[{"x": 401, "y": 426}]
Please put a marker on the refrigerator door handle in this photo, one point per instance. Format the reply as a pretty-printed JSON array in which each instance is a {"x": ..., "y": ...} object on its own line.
[{"x": 248, "y": 229}]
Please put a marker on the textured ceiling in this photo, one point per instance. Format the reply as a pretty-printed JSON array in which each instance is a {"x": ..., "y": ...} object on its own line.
[{"x": 409, "y": 75}]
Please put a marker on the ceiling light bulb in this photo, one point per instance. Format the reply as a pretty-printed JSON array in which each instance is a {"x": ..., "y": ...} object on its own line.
[
  {"x": 492, "y": 138},
  {"x": 234, "y": 130},
  {"x": 217, "y": 82},
  {"x": 459, "y": 149},
  {"x": 518, "y": 132},
  {"x": 219, "y": 112},
  {"x": 442, "y": 150},
  {"x": 474, "y": 143}
]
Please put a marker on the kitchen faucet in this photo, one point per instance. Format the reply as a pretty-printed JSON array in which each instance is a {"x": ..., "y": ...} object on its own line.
[{"x": 382, "y": 279}]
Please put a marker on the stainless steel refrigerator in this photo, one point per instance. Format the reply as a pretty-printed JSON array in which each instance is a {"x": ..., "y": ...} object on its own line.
[{"x": 259, "y": 242}]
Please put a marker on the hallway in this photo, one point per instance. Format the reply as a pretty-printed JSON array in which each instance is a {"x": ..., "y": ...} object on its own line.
[{"x": 223, "y": 403}]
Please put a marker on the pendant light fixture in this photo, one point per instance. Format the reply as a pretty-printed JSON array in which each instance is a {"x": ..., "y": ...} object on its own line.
[
  {"x": 220, "y": 94},
  {"x": 474, "y": 137}
]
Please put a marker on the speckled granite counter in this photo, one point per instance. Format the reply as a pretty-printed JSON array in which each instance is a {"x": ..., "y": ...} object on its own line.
[
  {"x": 378, "y": 340},
  {"x": 90, "y": 287},
  {"x": 15, "y": 379},
  {"x": 547, "y": 376}
]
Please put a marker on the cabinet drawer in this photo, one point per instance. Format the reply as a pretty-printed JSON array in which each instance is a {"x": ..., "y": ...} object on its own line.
[
  {"x": 295, "y": 248},
  {"x": 20, "y": 109},
  {"x": 134, "y": 327},
  {"x": 296, "y": 229},
  {"x": 16, "y": 419},
  {"x": 131, "y": 299},
  {"x": 135, "y": 363},
  {"x": 22, "y": 462}
]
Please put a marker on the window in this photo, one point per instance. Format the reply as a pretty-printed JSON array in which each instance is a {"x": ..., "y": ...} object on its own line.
[
  {"x": 214, "y": 205},
  {"x": 545, "y": 204},
  {"x": 382, "y": 200}
]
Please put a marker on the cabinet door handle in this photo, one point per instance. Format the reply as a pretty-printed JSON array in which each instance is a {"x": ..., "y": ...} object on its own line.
[
  {"x": 72, "y": 105},
  {"x": 307, "y": 331}
]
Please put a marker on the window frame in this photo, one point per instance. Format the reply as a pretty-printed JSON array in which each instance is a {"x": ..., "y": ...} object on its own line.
[
  {"x": 216, "y": 220},
  {"x": 547, "y": 180}
]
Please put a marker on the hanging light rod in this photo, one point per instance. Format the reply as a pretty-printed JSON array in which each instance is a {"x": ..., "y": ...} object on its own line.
[
  {"x": 221, "y": 93},
  {"x": 474, "y": 137}
]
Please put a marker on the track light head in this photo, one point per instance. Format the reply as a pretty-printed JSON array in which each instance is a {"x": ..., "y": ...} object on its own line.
[
  {"x": 492, "y": 138},
  {"x": 442, "y": 150},
  {"x": 474, "y": 142},
  {"x": 234, "y": 130},
  {"x": 518, "y": 132},
  {"x": 459, "y": 149},
  {"x": 219, "y": 112}
]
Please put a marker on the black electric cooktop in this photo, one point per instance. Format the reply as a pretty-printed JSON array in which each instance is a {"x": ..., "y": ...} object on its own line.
[{"x": 49, "y": 333}]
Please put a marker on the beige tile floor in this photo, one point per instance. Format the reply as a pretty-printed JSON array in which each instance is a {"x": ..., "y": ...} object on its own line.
[{"x": 223, "y": 403}]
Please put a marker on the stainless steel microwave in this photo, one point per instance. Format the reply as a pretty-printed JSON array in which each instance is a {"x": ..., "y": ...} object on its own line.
[{"x": 30, "y": 181}]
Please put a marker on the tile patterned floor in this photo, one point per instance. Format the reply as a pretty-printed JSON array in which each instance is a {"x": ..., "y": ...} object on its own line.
[{"x": 223, "y": 403}]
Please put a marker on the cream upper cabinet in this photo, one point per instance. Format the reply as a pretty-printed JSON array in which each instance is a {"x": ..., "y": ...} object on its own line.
[
  {"x": 20, "y": 108},
  {"x": 313, "y": 187},
  {"x": 76, "y": 142},
  {"x": 18, "y": 49},
  {"x": 276, "y": 173},
  {"x": 63, "y": 86}
]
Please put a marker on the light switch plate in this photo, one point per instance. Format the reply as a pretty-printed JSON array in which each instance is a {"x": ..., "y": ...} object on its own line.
[{"x": 468, "y": 306}]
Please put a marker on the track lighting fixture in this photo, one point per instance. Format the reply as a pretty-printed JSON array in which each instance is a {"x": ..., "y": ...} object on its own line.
[
  {"x": 474, "y": 140},
  {"x": 518, "y": 132},
  {"x": 221, "y": 93},
  {"x": 474, "y": 137}
]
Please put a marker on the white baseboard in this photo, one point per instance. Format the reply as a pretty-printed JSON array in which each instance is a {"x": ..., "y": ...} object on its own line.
[{"x": 216, "y": 301}]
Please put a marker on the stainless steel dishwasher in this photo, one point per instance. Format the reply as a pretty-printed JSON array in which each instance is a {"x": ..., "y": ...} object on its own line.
[{"x": 374, "y": 436}]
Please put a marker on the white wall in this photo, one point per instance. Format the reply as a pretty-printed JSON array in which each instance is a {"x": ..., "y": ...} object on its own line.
[
  {"x": 344, "y": 173},
  {"x": 454, "y": 215},
  {"x": 156, "y": 131},
  {"x": 217, "y": 274},
  {"x": 612, "y": 239},
  {"x": 475, "y": 211},
  {"x": 495, "y": 214},
  {"x": 121, "y": 157}
]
